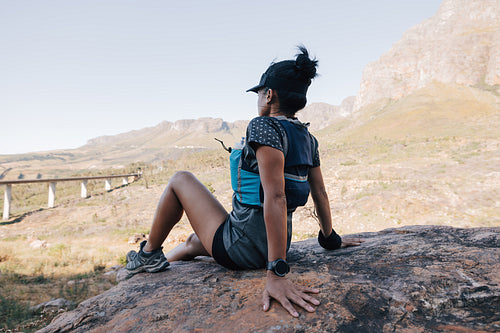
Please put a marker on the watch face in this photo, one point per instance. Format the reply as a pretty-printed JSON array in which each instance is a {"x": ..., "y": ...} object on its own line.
[{"x": 281, "y": 268}]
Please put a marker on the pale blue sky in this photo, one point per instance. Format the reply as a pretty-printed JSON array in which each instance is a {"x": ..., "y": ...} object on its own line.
[{"x": 74, "y": 70}]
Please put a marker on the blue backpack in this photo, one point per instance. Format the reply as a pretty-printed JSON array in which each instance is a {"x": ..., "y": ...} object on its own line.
[{"x": 298, "y": 148}]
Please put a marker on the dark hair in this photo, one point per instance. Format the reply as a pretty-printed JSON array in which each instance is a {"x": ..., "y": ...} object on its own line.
[{"x": 301, "y": 69}]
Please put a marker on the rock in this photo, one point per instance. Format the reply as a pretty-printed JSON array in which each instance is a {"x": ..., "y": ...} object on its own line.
[
  {"x": 35, "y": 243},
  {"x": 321, "y": 115},
  {"x": 113, "y": 272},
  {"x": 411, "y": 279},
  {"x": 54, "y": 304},
  {"x": 38, "y": 244},
  {"x": 460, "y": 44},
  {"x": 111, "y": 275},
  {"x": 137, "y": 238},
  {"x": 122, "y": 275}
]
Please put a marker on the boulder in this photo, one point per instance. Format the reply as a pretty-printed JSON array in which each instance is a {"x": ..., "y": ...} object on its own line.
[
  {"x": 410, "y": 279},
  {"x": 53, "y": 304},
  {"x": 137, "y": 238}
]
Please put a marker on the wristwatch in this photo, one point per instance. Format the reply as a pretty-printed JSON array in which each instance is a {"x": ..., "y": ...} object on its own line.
[{"x": 279, "y": 267}]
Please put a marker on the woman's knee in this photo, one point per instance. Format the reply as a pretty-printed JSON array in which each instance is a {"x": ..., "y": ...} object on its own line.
[
  {"x": 180, "y": 177},
  {"x": 194, "y": 245},
  {"x": 192, "y": 241}
]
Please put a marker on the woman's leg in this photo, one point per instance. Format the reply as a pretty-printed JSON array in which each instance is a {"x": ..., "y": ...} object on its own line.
[
  {"x": 185, "y": 193},
  {"x": 187, "y": 250}
]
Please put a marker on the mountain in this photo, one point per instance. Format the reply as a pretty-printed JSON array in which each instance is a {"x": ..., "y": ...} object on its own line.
[
  {"x": 321, "y": 115},
  {"x": 460, "y": 44},
  {"x": 161, "y": 141},
  {"x": 167, "y": 140}
]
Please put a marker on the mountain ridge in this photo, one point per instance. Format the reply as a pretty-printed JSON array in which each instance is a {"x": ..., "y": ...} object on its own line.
[{"x": 460, "y": 44}]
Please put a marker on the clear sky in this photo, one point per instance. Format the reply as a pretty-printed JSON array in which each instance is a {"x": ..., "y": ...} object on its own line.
[{"x": 74, "y": 70}]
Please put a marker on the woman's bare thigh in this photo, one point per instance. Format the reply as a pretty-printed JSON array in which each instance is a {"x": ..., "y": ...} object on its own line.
[{"x": 204, "y": 211}]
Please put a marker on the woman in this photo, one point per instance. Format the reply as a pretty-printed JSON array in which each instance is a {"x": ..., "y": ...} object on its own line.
[{"x": 272, "y": 175}]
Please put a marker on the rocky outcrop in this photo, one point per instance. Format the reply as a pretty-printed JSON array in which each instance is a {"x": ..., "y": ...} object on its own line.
[
  {"x": 411, "y": 279},
  {"x": 321, "y": 115},
  {"x": 459, "y": 44}
]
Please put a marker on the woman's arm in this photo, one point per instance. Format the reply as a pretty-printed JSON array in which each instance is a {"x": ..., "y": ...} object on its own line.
[
  {"x": 271, "y": 165},
  {"x": 321, "y": 202}
]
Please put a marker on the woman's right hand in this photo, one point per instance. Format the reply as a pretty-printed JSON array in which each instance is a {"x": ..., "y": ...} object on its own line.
[
  {"x": 347, "y": 242},
  {"x": 287, "y": 292}
]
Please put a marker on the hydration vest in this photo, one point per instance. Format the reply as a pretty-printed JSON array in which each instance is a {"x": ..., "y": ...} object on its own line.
[{"x": 298, "y": 148}]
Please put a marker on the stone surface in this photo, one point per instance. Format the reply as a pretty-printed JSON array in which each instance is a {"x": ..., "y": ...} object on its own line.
[
  {"x": 411, "y": 279},
  {"x": 459, "y": 44},
  {"x": 137, "y": 238},
  {"x": 59, "y": 303}
]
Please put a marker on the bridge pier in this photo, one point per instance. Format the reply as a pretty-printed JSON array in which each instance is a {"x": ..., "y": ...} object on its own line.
[
  {"x": 52, "y": 194},
  {"x": 7, "y": 198},
  {"x": 107, "y": 184},
  {"x": 84, "y": 192}
]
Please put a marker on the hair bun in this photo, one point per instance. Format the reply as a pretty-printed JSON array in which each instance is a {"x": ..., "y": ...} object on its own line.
[{"x": 304, "y": 64}]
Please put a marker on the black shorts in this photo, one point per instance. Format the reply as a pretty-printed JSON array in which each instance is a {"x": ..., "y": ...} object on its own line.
[{"x": 219, "y": 252}]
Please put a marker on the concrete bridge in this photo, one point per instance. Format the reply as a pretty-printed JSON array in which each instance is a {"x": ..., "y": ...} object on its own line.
[{"x": 52, "y": 187}]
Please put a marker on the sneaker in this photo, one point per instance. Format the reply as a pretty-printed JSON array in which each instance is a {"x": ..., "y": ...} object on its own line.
[
  {"x": 131, "y": 256},
  {"x": 139, "y": 261}
]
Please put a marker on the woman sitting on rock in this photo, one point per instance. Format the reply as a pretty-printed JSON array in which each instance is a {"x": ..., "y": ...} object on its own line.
[{"x": 272, "y": 175}]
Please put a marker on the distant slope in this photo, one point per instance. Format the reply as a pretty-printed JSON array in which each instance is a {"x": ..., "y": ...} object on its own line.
[
  {"x": 438, "y": 110},
  {"x": 165, "y": 141}
]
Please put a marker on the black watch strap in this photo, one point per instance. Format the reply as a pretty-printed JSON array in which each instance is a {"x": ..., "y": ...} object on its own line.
[
  {"x": 331, "y": 242},
  {"x": 278, "y": 267}
]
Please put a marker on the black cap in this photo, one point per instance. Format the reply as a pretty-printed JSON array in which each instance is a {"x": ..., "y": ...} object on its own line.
[{"x": 269, "y": 80}]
